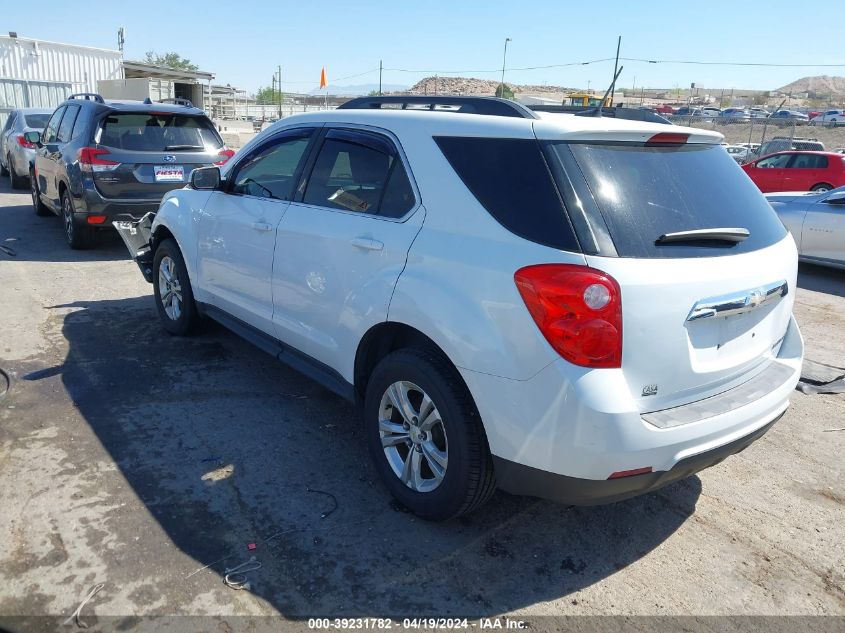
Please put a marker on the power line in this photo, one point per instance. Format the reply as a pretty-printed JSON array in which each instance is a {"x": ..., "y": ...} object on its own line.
[{"x": 705, "y": 63}]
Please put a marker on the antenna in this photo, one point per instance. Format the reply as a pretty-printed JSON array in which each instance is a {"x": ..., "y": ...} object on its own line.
[{"x": 597, "y": 112}]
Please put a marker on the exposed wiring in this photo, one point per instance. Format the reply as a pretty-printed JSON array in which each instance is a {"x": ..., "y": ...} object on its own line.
[
  {"x": 75, "y": 615},
  {"x": 235, "y": 577},
  {"x": 328, "y": 494}
]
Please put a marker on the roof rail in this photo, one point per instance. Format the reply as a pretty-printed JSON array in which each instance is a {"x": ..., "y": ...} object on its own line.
[
  {"x": 88, "y": 96},
  {"x": 631, "y": 114},
  {"x": 466, "y": 105},
  {"x": 178, "y": 101}
]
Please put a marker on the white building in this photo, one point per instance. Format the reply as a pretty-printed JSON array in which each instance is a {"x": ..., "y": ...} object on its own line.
[{"x": 40, "y": 74}]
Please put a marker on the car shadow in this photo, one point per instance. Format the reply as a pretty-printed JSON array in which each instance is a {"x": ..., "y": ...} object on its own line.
[
  {"x": 224, "y": 447},
  {"x": 821, "y": 279},
  {"x": 25, "y": 236}
]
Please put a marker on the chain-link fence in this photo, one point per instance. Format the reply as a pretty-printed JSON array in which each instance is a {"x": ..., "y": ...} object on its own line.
[{"x": 769, "y": 134}]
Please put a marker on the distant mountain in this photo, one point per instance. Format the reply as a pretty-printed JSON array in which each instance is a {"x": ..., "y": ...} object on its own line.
[
  {"x": 472, "y": 86},
  {"x": 822, "y": 87},
  {"x": 357, "y": 90}
]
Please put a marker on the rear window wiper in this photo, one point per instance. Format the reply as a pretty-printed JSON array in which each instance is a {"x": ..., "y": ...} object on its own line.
[
  {"x": 731, "y": 235},
  {"x": 174, "y": 147}
]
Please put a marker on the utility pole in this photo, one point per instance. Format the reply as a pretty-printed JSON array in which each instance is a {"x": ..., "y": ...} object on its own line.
[
  {"x": 615, "y": 69},
  {"x": 280, "y": 91},
  {"x": 380, "y": 69},
  {"x": 504, "y": 61}
]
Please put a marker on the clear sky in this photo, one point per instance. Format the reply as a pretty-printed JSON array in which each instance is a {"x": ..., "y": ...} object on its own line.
[{"x": 243, "y": 45}]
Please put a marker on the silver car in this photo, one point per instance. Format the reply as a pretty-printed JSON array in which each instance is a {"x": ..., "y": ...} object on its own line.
[
  {"x": 16, "y": 153},
  {"x": 816, "y": 221}
]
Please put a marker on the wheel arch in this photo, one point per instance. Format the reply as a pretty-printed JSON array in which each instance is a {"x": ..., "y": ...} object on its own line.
[{"x": 384, "y": 338}]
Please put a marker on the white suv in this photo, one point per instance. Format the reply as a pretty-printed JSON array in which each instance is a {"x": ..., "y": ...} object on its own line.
[{"x": 578, "y": 308}]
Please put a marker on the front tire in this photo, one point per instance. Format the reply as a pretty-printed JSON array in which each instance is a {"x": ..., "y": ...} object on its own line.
[
  {"x": 174, "y": 296},
  {"x": 426, "y": 437}
]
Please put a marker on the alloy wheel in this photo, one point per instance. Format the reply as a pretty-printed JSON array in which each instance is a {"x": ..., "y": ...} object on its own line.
[
  {"x": 67, "y": 216},
  {"x": 33, "y": 188},
  {"x": 170, "y": 288},
  {"x": 413, "y": 436}
]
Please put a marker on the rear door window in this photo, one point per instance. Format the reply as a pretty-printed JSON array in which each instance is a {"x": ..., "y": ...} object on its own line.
[
  {"x": 643, "y": 192},
  {"x": 66, "y": 126},
  {"x": 809, "y": 161},
  {"x": 52, "y": 128},
  {"x": 362, "y": 172},
  {"x": 158, "y": 132},
  {"x": 511, "y": 180}
]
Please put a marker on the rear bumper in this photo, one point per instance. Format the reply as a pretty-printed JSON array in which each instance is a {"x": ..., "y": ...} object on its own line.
[
  {"x": 93, "y": 203},
  {"x": 524, "y": 480},
  {"x": 562, "y": 433}
]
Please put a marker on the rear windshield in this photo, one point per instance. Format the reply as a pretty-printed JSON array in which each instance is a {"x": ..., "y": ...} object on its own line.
[
  {"x": 158, "y": 132},
  {"x": 644, "y": 192},
  {"x": 38, "y": 121}
]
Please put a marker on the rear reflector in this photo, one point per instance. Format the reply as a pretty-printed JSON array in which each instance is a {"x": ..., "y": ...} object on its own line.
[
  {"x": 96, "y": 219},
  {"x": 630, "y": 473},
  {"x": 668, "y": 138}
]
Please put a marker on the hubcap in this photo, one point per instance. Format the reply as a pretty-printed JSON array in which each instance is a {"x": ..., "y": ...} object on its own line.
[
  {"x": 413, "y": 436},
  {"x": 67, "y": 213},
  {"x": 169, "y": 288}
]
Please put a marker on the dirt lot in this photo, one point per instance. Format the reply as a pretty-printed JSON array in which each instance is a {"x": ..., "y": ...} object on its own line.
[{"x": 131, "y": 458}]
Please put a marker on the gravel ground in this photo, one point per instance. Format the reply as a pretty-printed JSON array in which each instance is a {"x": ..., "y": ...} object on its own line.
[{"x": 132, "y": 458}]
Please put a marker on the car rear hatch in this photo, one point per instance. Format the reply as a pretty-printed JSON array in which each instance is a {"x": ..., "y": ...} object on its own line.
[
  {"x": 143, "y": 155},
  {"x": 706, "y": 270}
]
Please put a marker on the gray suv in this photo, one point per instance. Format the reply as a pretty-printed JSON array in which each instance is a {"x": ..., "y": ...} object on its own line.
[{"x": 99, "y": 162}]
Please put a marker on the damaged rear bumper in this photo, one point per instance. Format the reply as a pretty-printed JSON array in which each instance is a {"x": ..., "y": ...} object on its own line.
[{"x": 137, "y": 235}]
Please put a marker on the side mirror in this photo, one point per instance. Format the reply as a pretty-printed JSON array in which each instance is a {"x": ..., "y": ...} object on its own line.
[
  {"x": 205, "y": 178},
  {"x": 33, "y": 137}
]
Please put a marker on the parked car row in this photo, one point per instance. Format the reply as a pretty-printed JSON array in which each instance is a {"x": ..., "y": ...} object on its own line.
[{"x": 93, "y": 161}]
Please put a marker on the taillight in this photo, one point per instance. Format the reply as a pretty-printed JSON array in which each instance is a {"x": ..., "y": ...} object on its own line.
[
  {"x": 225, "y": 154},
  {"x": 91, "y": 159},
  {"x": 578, "y": 309},
  {"x": 667, "y": 138},
  {"x": 24, "y": 143}
]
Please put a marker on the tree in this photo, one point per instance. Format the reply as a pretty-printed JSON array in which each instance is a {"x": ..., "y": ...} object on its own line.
[
  {"x": 507, "y": 92},
  {"x": 267, "y": 96},
  {"x": 761, "y": 98},
  {"x": 169, "y": 60}
]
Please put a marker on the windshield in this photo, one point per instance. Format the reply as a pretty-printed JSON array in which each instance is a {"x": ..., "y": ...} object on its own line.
[
  {"x": 644, "y": 192},
  {"x": 154, "y": 132},
  {"x": 37, "y": 121}
]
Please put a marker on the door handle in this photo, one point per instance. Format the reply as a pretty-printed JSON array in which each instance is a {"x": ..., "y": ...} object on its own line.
[
  {"x": 261, "y": 226},
  {"x": 367, "y": 243}
]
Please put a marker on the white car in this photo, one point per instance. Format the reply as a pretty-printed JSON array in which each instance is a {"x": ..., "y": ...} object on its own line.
[
  {"x": 573, "y": 307},
  {"x": 831, "y": 118},
  {"x": 739, "y": 153},
  {"x": 816, "y": 221}
]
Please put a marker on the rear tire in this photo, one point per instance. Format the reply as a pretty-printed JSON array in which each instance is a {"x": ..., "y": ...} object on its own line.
[
  {"x": 78, "y": 237},
  {"x": 4, "y": 171},
  {"x": 437, "y": 463},
  {"x": 39, "y": 207},
  {"x": 821, "y": 187},
  {"x": 174, "y": 296},
  {"x": 15, "y": 181}
]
